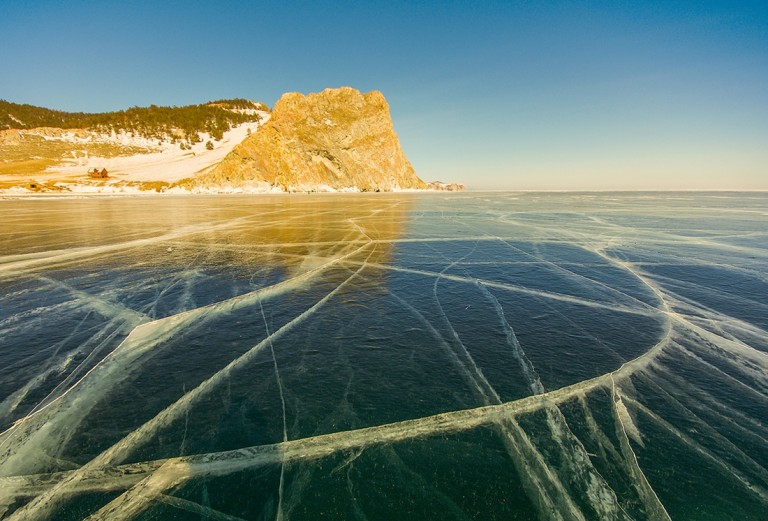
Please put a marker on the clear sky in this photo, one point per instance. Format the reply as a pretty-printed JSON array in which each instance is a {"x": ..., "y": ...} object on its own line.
[{"x": 613, "y": 94}]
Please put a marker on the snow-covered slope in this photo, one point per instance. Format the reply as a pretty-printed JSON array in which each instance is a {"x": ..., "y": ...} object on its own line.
[
  {"x": 168, "y": 164},
  {"x": 47, "y": 159}
]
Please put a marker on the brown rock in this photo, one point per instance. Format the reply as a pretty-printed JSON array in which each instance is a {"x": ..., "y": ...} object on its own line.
[
  {"x": 336, "y": 139},
  {"x": 95, "y": 173}
]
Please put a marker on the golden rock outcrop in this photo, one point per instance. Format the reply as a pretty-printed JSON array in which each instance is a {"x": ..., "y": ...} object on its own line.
[{"x": 338, "y": 139}]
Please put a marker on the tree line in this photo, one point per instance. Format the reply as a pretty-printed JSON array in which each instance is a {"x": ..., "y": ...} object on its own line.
[{"x": 214, "y": 117}]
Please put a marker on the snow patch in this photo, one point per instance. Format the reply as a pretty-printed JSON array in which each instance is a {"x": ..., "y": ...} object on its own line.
[
  {"x": 168, "y": 163},
  {"x": 17, "y": 120}
]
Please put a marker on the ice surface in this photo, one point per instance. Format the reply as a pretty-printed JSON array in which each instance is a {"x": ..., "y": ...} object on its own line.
[{"x": 440, "y": 356}]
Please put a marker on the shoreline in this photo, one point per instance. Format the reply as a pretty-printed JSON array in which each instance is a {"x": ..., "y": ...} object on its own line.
[{"x": 43, "y": 195}]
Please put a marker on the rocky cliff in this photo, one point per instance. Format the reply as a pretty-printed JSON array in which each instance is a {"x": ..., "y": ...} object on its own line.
[{"x": 338, "y": 139}]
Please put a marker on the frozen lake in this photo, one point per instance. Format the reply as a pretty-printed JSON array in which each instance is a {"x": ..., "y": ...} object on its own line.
[{"x": 380, "y": 357}]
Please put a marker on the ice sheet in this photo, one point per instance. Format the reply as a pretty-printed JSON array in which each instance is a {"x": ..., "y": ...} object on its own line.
[{"x": 600, "y": 356}]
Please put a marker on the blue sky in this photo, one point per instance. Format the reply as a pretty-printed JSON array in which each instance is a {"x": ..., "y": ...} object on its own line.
[{"x": 498, "y": 95}]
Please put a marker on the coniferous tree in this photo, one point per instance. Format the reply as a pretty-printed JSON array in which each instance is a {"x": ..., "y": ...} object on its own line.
[{"x": 214, "y": 118}]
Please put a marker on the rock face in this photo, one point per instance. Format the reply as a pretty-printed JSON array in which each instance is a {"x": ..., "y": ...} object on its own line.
[
  {"x": 449, "y": 187},
  {"x": 335, "y": 140}
]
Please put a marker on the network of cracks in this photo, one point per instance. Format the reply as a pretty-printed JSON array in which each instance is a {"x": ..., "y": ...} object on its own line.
[{"x": 388, "y": 357}]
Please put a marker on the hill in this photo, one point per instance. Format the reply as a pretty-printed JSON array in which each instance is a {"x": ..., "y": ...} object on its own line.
[
  {"x": 141, "y": 148},
  {"x": 183, "y": 123}
]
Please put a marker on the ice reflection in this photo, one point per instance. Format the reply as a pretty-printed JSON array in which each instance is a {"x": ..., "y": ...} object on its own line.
[{"x": 395, "y": 356}]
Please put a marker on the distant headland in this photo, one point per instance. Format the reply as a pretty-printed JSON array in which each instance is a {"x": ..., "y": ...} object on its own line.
[{"x": 338, "y": 140}]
